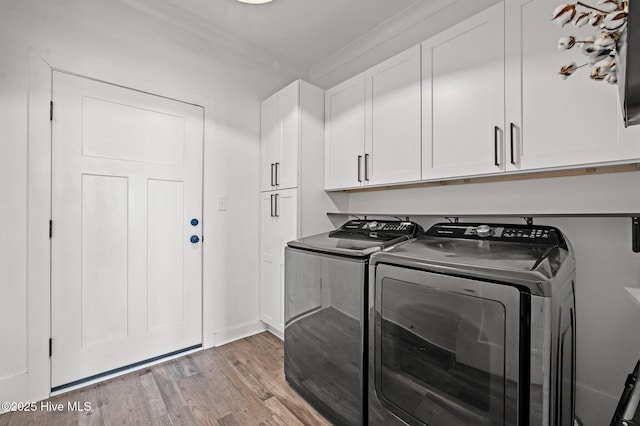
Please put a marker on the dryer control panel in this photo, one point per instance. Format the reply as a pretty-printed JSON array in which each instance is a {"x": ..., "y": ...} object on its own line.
[
  {"x": 526, "y": 234},
  {"x": 377, "y": 229}
]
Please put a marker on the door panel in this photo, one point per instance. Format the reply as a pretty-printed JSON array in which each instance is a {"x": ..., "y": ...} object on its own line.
[
  {"x": 393, "y": 112},
  {"x": 459, "y": 115},
  {"x": 344, "y": 134},
  {"x": 270, "y": 131},
  {"x": 289, "y": 114},
  {"x": 165, "y": 261},
  {"x": 127, "y": 132},
  {"x": 269, "y": 260},
  {"x": 562, "y": 132},
  {"x": 126, "y": 180},
  {"x": 104, "y": 258}
]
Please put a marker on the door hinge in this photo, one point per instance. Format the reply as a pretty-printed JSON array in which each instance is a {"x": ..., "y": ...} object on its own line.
[
  {"x": 51, "y": 111},
  {"x": 50, "y": 347},
  {"x": 50, "y": 229}
]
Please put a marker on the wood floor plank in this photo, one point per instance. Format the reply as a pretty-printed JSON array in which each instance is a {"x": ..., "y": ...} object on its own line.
[
  {"x": 239, "y": 384},
  {"x": 282, "y": 412},
  {"x": 200, "y": 398},
  {"x": 168, "y": 388},
  {"x": 155, "y": 402}
]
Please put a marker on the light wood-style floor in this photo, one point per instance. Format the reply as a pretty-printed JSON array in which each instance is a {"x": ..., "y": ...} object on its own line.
[{"x": 241, "y": 383}]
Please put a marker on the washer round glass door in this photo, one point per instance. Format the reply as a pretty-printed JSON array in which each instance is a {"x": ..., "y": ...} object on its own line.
[{"x": 446, "y": 348}]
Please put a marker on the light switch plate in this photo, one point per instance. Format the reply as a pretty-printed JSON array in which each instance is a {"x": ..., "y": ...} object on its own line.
[{"x": 222, "y": 204}]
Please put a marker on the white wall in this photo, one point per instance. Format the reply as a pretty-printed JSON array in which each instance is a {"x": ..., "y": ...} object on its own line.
[{"x": 114, "y": 42}]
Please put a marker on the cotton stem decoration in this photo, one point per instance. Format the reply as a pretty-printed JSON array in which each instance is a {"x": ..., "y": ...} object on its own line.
[{"x": 610, "y": 19}]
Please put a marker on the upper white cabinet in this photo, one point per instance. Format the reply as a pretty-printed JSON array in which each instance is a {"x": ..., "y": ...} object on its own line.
[
  {"x": 280, "y": 131},
  {"x": 552, "y": 122},
  {"x": 463, "y": 98},
  {"x": 392, "y": 131},
  {"x": 344, "y": 134},
  {"x": 491, "y": 102},
  {"x": 372, "y": 130}
]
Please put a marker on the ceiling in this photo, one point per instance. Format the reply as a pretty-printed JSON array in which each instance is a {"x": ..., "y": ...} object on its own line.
[{"x": 300, "y": 33}]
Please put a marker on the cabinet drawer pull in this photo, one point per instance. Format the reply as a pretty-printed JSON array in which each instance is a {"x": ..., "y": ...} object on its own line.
[
  {"x": 511, "y": 131},
  {"x": 366, "y": 167},
  {"x": 277, "y": 213},
  {"x": 496, "y": 129},
  {"x": 272, "y": 173},
  {"x": 272, "y": 214},
  {"x": 277, "y": 179},
  {"x": 359, "y": 168}
]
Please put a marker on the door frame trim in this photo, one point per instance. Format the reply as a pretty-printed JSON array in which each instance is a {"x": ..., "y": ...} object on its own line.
[{"x": 37, "y": 383}]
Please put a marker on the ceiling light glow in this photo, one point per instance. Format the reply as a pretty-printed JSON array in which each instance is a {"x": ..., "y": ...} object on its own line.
[{"x": 255, "y": 1}]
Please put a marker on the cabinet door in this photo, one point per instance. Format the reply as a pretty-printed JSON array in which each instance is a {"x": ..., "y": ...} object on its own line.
[
  {"x": 344, "y": 134},
  {"x": 392, "y": 133},
  {"x": 287, "y": 218},
  {"x": 557, "y": 122},
  {"x": 463, "y": 98},
  {"x": 270, "y": 133},
  {"x": 289, "y": 116},
  {"x": 270, "y": 301},
  {"x": 278, "y": 226}
]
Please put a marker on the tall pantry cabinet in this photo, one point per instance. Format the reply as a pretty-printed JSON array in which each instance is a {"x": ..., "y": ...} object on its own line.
[{"x": 292, "y": 204}]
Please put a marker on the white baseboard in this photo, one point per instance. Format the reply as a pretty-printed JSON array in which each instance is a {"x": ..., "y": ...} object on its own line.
[
  {"x": 276, "y": 333},
  {"x": 241, "y": 331},
  {"x": 13, "y": 390}
]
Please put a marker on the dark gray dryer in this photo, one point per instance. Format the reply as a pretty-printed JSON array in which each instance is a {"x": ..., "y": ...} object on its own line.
[
  {"x": 326, "y": 277},
  {"x": 473, "y": 325}
]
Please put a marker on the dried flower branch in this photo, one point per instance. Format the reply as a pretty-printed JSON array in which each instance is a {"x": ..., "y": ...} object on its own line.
[{"x": 610, "y": 17}]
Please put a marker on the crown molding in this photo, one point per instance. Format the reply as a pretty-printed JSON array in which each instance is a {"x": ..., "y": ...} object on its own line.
[
  {"x": 392, "y": 27},
  {"x": 412, "y": 26}
]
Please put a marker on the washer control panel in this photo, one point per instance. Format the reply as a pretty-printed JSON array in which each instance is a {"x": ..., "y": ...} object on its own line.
[
  {"x": 527, "y": 234},
  {"x": 377, "y": 229}
]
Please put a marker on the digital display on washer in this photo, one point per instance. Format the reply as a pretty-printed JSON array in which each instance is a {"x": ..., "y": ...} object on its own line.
[{"x": 527, "y": 234}]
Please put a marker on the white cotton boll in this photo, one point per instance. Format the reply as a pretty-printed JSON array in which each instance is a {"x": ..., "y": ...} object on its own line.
[
  {"x": 608, "y": 5},
  {"x": 582, "y": 19},
  {"x": 563, "y": 14},
  {"x": 566, "y": 42},
  {"x": 604, "y": 43}
]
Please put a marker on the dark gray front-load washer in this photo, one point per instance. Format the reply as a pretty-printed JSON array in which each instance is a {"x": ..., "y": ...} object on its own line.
[
  {"x": 326, "y": 278},
  {"x": 473, "y": 325}
]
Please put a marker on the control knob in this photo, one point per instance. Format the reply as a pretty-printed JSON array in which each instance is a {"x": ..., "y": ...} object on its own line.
[{"x": 483, "y": 231}]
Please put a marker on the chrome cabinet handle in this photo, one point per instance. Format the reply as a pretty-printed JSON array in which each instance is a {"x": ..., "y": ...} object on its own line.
[
  {"x": 277, "y": 174},
  {"x": 511, "y": 129},
  {"x": 272, "y": 174},
  {"x": 277, "y": 213},
  {"x": 496, "y": 129},
  {"x": 366, "y": 167},
  {"x": 359, "y": 168},
  {"x": 271, "y": 211}
]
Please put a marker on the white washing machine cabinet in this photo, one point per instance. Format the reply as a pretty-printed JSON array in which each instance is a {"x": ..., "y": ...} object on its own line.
[{"x": 473, "y": 324}]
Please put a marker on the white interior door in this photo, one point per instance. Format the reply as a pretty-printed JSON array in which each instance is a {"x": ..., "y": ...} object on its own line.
[{"x": 126, "y": 184}]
